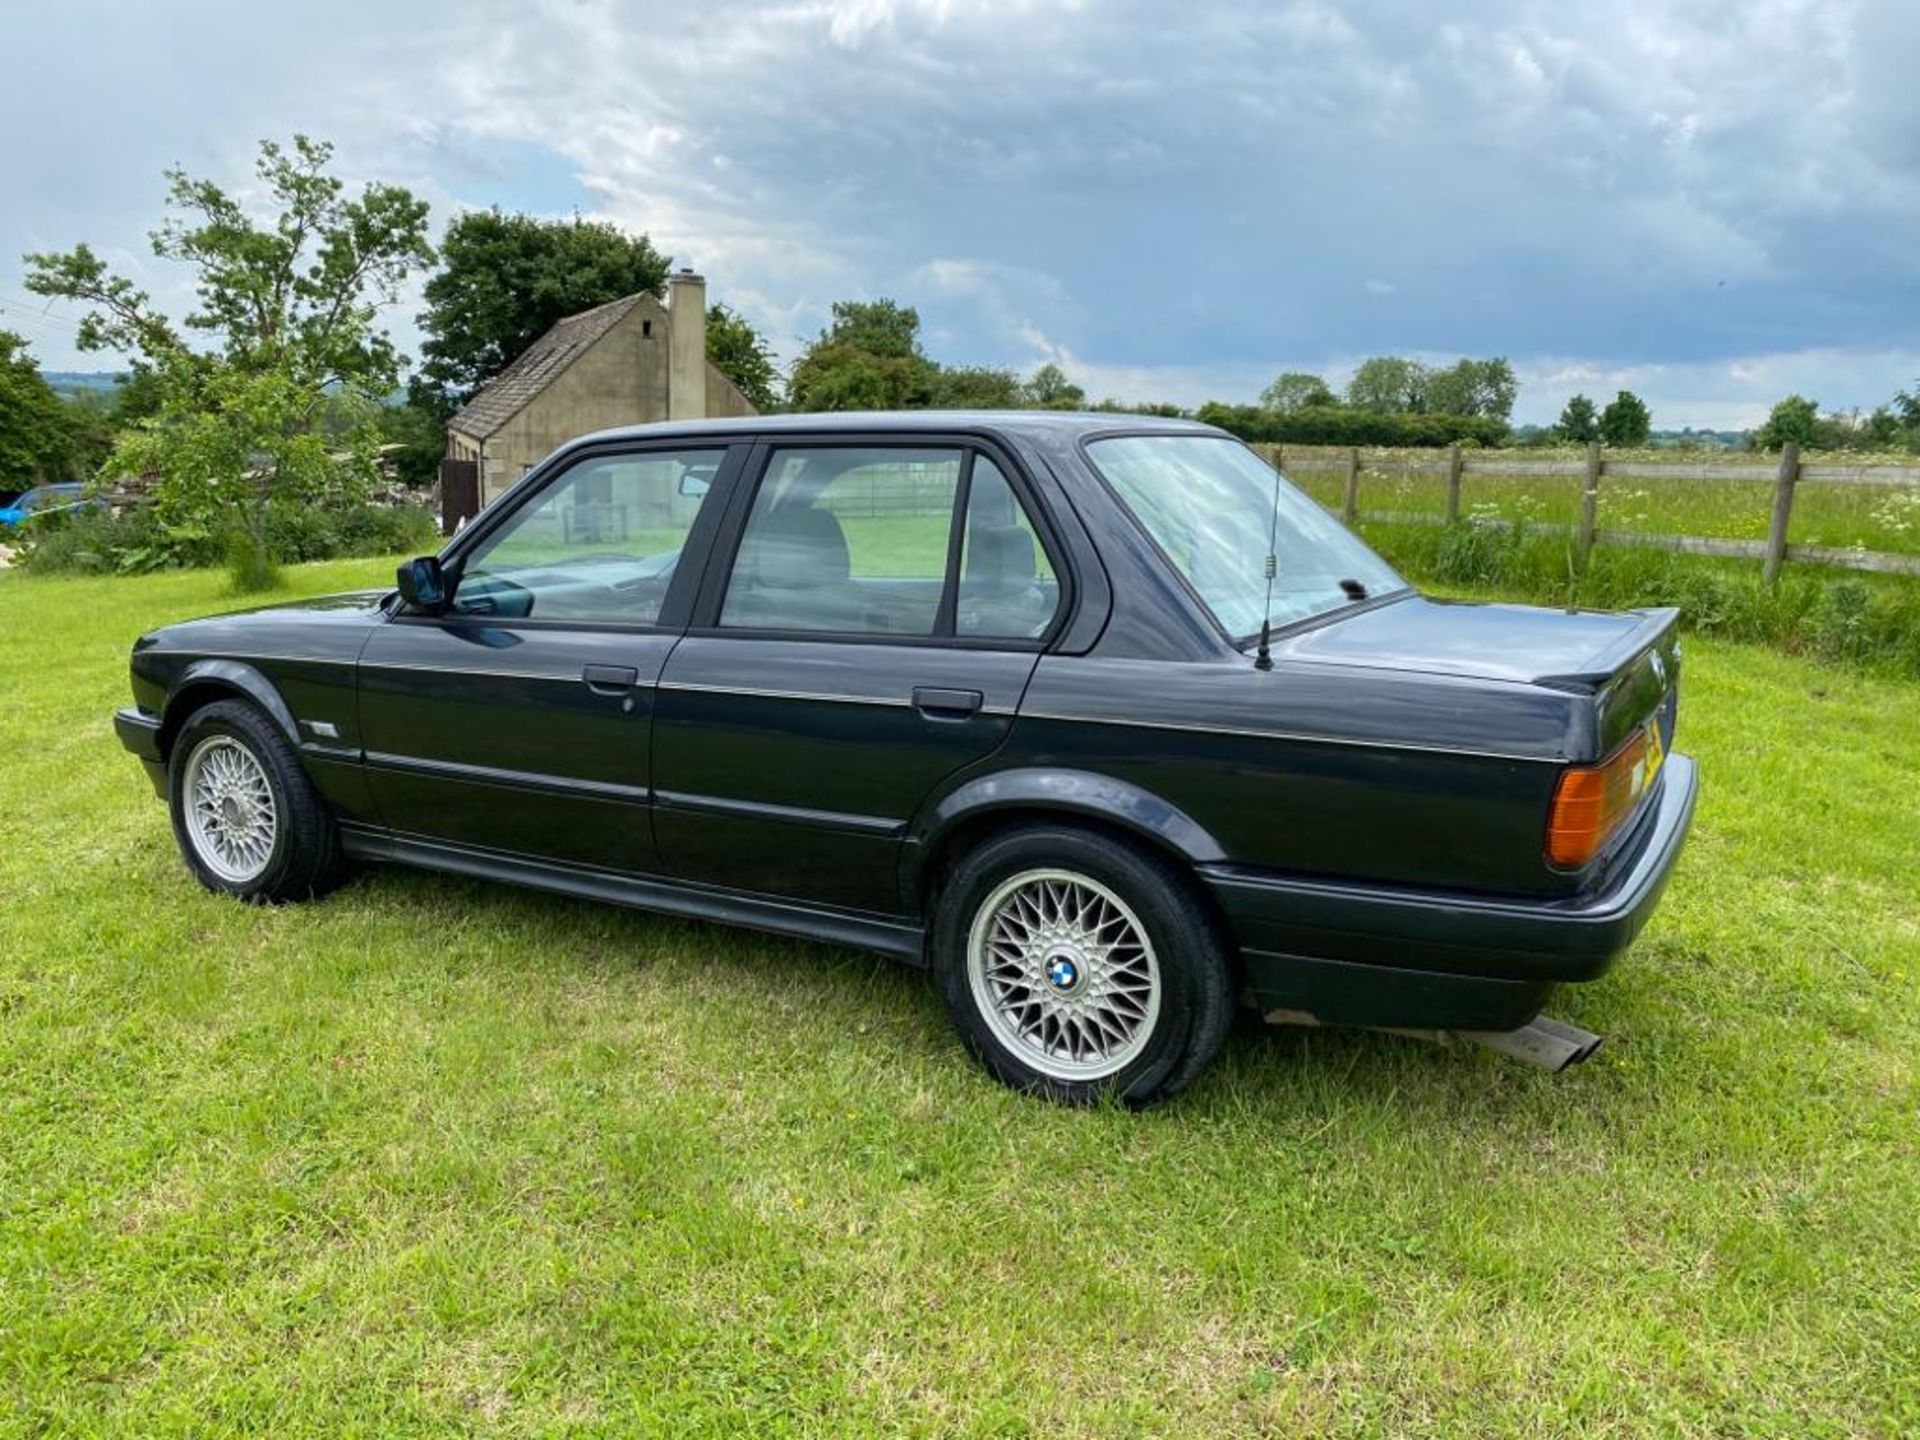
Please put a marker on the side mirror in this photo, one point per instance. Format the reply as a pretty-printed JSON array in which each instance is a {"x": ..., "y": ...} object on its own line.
[
  {"x": 424, "y": 585},
  {"x": 694, "y": 483}
]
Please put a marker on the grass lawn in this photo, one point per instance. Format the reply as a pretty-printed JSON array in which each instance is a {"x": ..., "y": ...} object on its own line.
[{"x": 435, "y": 1157}]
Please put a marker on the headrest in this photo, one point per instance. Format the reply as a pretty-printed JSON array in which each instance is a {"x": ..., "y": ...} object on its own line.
[
  {"x": 799, "y": 548},
  {"x": 999, "y": 558}
]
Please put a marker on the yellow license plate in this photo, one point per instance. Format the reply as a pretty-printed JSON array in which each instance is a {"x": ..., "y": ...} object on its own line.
[{"x": 1655, "y": 757}]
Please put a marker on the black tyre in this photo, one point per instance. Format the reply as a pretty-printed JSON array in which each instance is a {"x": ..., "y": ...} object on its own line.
[
  {"x": 1077, "y": 965},
  {"x": 247, "y": 818}
]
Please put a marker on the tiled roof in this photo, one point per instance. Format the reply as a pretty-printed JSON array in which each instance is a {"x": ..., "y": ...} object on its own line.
[{"x": 509, "y": 391}]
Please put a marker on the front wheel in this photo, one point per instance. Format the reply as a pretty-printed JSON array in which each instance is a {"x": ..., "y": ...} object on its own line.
[
  {"x": 1077, "y": 965},
  {"x": 247, "y": 818}
]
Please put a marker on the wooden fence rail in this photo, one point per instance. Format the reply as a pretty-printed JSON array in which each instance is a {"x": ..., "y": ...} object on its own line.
[{"x": 1454, "y": 465}]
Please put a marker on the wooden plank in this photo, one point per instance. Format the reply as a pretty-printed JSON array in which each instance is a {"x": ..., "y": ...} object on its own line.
[
  {"x": 1453, "y": 483},
  {"x": 1876, "y": 560},
  {"x": 1761, "y": 473},
  {"x": 1353, "y": 485},
  {"x": 1480, "y": 465},
  {"x": 1298, "y": 464},
  {"x": 1393, "y": 465},
  {"x": 1826, "y": 474},
  {"x": 1687, "y": 544}
]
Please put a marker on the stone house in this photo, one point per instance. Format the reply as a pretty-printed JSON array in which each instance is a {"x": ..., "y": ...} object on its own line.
[{"x": 627, "y": 362}]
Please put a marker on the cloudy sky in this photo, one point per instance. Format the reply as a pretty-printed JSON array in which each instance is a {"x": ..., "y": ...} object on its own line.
[{"x": 1711, "y": 203}]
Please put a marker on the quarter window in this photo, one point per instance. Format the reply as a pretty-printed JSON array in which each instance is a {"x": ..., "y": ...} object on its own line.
[
  {"x": 863, "y": 541},
  {"x": 601, "y": 544}
]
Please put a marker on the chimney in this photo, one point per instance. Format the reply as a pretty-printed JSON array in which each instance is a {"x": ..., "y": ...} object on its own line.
[{"x": 686, "y": 346}]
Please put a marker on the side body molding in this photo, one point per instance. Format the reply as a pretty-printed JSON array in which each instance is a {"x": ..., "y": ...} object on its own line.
[{"x": 1066, "y": 793}]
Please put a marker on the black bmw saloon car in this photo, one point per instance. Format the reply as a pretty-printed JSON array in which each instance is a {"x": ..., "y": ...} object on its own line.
[{"x": 1096, "y": 716}]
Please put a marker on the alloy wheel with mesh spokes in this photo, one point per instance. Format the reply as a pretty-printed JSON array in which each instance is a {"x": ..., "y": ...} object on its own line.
[
  {"x": 1064, "y": 974},
  {"x": 231, "y": 815},
  {"x": 247, "y": 815}
]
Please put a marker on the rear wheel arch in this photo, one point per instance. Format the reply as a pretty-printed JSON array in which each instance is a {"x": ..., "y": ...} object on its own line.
[{"x": 988, "y": 805}]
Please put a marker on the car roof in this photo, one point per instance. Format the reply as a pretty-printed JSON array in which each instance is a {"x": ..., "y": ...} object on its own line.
[{"x": 1053, "y": 423}]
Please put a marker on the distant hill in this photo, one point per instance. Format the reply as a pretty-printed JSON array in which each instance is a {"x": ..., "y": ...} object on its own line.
[{"x": 72, "y": 382}]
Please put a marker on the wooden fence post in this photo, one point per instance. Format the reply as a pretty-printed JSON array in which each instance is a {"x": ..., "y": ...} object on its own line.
[
  {"x": 1782, "y": 512},
  {"x": 1589, "y": 503},
  {"x": 1453, "y": 482},
  {"x": 1352, "y": 511}
]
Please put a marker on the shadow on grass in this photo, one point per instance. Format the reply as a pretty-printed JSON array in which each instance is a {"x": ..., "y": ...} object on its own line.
[{"x": 1266, "y": 1074}]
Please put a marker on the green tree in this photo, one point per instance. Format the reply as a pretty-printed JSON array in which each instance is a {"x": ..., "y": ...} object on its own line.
[
  {"x": 879, "y": 327},
  {"x": 1048, "y": 388},
  {"x": 1579, "y": 420},
  {"x": 502, "y": 283},
  {"x": 412, "y": 442},
  {"x": 1162, "y": 408},
  {"x": 1389, "y": 384},
  {"x": 976, "y": 387},
  {"x": 867, "y": 359},
  {"x": 1795, "y": 418},
  {"x": 741, "y": 353},
  {"x": 1626, "y": 422},
  {"x": 1882, "y": 429},
  {"x": 136, "y": 397},
  {"x": 1472, "y": 387},
  {"x": 277, "y": 408},
  {"x": 92, "y": 423},
  {"x": 36, "y": 434},
  {"x": 845, "y": 377},
  {"x": 1296, "y": 390}
]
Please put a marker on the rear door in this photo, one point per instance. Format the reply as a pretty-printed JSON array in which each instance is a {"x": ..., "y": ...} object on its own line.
[
  {"x": 868, "y": 626},
  {"x": 519, "y": 722}
]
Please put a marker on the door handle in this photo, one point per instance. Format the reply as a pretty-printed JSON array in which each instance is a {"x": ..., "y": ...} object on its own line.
[
  {"x": 938, "y": 704},
  {"x": 610, "y": 679}
]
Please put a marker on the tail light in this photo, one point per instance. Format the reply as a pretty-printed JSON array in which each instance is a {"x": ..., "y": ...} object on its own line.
[{"x": 1592, "y": 802}]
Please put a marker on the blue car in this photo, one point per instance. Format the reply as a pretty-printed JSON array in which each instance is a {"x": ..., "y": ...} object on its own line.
[{"x": 42, "y": 500}]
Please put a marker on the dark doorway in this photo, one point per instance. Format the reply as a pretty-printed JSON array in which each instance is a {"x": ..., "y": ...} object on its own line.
[{"x": 459, "y": 493}]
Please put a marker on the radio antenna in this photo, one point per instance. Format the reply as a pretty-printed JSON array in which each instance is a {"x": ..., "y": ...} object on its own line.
[{"x": 1263, "y": 657}]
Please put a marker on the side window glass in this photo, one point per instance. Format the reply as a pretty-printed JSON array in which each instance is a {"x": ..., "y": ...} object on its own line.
[
  {"x": 601, "y": 544},
  {"x": 1007, "y": 588},
  {"x": 850, "y": 540}
]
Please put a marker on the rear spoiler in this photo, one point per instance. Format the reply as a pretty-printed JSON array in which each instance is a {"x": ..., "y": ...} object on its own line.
[{"x": 1608, "y": 662}]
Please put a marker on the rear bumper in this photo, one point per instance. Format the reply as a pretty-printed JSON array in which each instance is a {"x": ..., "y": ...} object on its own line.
[
  {"x": 1367, "y": 955},
  {"x": 139, "y": 732}
]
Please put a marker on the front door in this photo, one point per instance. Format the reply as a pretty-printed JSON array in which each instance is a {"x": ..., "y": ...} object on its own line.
[
  {"x": 519, "y": 720},
  {"x": 874, "y": 632}
]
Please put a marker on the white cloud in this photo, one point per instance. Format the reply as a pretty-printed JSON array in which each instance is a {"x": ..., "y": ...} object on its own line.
[{"x": 1173, "y": 205}]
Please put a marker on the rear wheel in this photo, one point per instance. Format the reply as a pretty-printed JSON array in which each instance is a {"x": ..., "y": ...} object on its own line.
[
  {"x": 246, "y": 816},
  {"x": 1077, "y": 965}
]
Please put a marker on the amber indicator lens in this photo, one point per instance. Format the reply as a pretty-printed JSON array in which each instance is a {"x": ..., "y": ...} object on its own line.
[{"x": 1592, "y": 802}]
